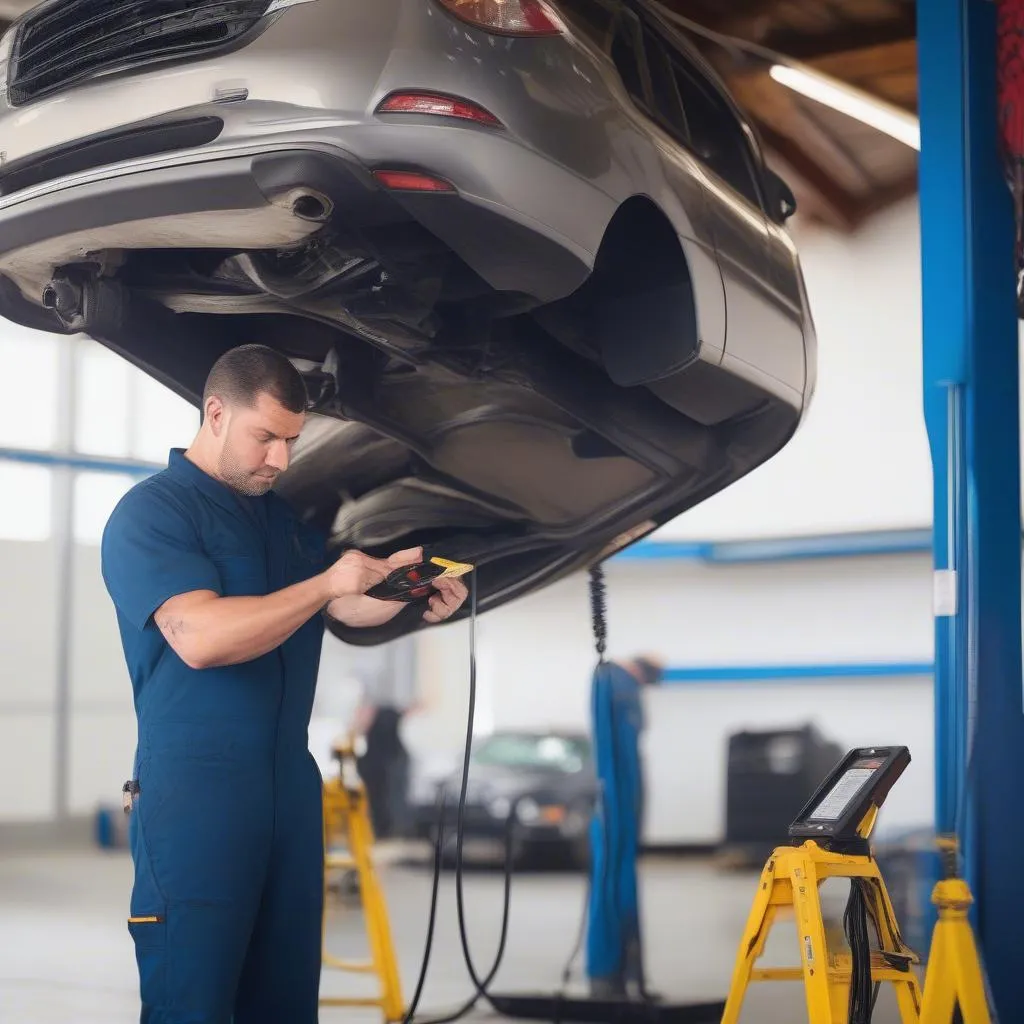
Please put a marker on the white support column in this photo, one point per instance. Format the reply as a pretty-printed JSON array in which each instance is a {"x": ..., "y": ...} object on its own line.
[{"x": 63, "y": 511}]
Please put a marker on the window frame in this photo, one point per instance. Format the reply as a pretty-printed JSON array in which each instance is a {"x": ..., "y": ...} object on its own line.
[{"x": 680, "y": 52}]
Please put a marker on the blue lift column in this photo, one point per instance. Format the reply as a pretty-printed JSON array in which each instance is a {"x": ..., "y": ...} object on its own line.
[{"x": 971, "y": 388}]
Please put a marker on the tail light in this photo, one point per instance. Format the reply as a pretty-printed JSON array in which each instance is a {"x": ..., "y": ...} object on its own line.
[
  {"x": 412, "y": 181},
  {"x": 440, "y": 106},
  {"x": 506, "y": 17}
]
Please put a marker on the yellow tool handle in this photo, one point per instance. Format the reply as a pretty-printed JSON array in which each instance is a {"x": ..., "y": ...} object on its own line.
[{"x": 451, "y": 569}]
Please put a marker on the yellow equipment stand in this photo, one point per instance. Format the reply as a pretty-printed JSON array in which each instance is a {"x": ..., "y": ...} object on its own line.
[
  {"x": 790, "y": 883},
  {"x": 954, "y": 978},
  {"x": 347, "y": 826}
]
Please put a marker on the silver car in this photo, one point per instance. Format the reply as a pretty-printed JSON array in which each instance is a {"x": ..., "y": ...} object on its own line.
[{"x": 527, "y": 252}]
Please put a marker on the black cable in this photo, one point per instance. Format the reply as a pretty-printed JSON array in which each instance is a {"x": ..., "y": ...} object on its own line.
[
  {"x": 599, "y": 610},
  {"x": 432, "y": 920},
  {"x": 480, "y": 986},
  {"x": 855, "y": 924},
  {"x": 599, "y": 622}
]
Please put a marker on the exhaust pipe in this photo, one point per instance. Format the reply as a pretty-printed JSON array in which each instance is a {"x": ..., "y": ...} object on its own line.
[
  {"x": 176, "y": 350},
  {"x": 65, "y": 298}
]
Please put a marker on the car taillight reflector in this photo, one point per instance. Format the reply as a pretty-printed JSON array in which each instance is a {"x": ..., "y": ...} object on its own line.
[
  {"x": 411, "y": 181},
  {"x": 508, "y": 17},
  {"x": 440, "y": 106}
]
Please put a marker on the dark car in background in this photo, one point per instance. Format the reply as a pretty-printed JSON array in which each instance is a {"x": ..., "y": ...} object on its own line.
[{"x": 541, "y": 783}]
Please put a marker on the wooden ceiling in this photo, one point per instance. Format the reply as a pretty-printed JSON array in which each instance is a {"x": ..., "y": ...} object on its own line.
[{"x": 841, "y": 170}]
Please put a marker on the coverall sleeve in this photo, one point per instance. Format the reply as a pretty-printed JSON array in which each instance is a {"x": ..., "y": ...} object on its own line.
[{"x": 151, "y": 552}]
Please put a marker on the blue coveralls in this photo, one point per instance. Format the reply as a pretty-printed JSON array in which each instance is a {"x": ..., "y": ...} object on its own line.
[
  {"x": 226, "y": 832},
  {"x": 613, "y": 925}
]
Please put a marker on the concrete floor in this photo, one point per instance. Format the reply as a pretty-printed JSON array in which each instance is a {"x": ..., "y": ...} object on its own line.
[{"x": 65, "y": 956}]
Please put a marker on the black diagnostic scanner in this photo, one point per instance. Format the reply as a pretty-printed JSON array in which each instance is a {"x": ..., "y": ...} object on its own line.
[
  {"x": 416, "y": 582},
  {"x": 836, "y": 816}
]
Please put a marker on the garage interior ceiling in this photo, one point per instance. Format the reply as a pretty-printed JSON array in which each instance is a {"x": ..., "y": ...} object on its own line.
[{"x": 841, "y": 170}]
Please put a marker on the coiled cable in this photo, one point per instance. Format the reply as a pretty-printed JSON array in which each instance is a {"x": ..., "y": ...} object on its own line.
[{"x": 599, "y": 610}]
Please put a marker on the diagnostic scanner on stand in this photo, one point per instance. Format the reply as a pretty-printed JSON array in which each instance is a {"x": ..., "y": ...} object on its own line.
[{"x": 841, "y": 813}]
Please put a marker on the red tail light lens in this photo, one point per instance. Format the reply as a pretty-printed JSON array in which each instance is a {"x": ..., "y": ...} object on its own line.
[
  {"x": 411, "y": 181},
  {"x": 440, "y": 106},
  {"x": 507, "y": 17}
]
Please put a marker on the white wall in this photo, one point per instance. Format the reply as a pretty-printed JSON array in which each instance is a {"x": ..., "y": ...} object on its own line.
[
  {"x": 860, "y": 461},
  {"x": 28, "y": 679},
  {"x": 690, "y": 725}
]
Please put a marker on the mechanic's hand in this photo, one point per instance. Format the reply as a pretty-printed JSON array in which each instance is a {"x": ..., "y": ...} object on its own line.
[
  {"x": 354, "y": 573},
  {"x": 450, "y": 597},
  {"x": 350, "y": 582}
]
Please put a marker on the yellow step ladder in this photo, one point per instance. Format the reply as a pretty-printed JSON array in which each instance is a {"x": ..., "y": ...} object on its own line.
[
  {"x": 347, "y": 828},
  {"x": 789, "y": 886}
]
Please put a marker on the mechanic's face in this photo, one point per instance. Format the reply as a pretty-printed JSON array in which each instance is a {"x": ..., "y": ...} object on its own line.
[{"x": 255, "y": 442}]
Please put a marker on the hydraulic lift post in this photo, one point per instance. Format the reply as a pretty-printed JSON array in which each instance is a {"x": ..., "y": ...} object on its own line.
[{"x": 971, "y": 384}]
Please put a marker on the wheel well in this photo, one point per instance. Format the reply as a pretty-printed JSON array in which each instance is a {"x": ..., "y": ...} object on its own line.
[
  {"x": 639, "y": 245},
  {"x": 645, "y": 309}
]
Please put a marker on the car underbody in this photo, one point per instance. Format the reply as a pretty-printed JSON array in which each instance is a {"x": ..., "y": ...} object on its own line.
[{"x": 444, "y": 411}]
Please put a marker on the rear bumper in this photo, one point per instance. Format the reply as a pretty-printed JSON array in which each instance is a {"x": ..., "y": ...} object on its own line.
[{"x": 248, "y": 200}]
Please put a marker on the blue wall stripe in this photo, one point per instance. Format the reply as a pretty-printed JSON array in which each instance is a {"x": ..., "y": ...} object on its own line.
[
  {"x": 91, "y": 463},
  {"x": 874, "y": 542},
  {"x": 869, "y": 542},
  {"x": 793, "y": 673}
]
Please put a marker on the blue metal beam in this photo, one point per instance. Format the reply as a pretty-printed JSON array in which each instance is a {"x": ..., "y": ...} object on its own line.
[
  {"x": 971, "y": 379},
  {"x": 807, "y": 673},
  {"x": 86, "y": 463}
]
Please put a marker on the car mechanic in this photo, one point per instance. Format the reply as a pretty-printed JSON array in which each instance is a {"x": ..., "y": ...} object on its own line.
[{"x": 218, "y": 589}]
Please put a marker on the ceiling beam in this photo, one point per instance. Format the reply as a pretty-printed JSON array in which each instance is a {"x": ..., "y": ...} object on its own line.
[
  {"x": 852, "y": 36},
  {"x": 769, "y": 23}
]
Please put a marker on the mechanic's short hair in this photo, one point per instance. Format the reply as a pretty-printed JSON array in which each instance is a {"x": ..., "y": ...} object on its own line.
[{"x": 242, "y": 374}]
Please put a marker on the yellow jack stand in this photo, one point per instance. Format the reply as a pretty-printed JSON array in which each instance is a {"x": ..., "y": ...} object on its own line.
[
  {"x": 790, "y": 883},
  {"x": 347, "y": 825},
  {"x": 954, "y": 977}
]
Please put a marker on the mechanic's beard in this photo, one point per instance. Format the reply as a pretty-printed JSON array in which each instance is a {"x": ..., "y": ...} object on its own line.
[{"x": 239, "y": 479}]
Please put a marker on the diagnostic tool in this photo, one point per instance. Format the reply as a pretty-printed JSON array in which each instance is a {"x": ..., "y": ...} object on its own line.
[
  {"x": 842, "y": 811},
  {"x": 414, "y": 582}
]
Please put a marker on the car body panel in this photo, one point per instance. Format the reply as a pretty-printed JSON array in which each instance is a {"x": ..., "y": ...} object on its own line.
[{"x": 591, "y": 332}]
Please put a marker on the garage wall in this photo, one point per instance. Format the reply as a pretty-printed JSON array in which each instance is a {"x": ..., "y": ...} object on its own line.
[
  {"x": 861, "y": 460},
  {"x": 28, "y": 678}
]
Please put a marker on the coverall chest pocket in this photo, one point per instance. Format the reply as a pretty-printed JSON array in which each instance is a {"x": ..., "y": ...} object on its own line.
[{"x": 241, "y": 575}]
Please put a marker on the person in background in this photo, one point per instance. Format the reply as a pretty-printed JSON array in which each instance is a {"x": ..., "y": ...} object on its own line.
[
  {"x": 643, "y": 670},
  {"x": 614, "y": 960},
  {"x": 388, "y": 696}
]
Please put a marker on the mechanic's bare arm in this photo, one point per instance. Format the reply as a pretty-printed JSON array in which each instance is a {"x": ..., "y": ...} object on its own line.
[{"x": 207, "y": 631}]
